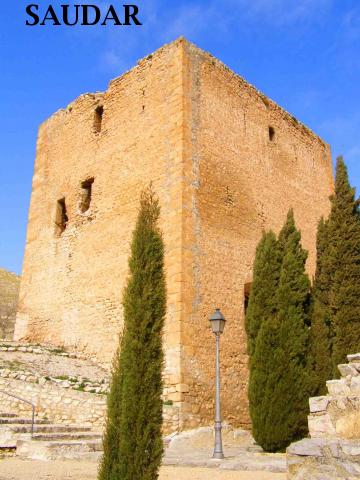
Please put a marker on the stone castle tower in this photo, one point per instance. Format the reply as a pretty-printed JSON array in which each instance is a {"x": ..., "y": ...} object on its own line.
[{"x": 226, "y": 163}]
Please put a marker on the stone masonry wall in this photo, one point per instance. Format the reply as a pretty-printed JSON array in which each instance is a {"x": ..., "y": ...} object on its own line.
[
  {"x": 333, "y": 452},
  {"x": 9, "y": 292},
  {"x": 202, "y": 134},
  {"x": 72, "y": 284},
  {"x": 59, "y": 405},
  {"x": 238, "y": 183}
]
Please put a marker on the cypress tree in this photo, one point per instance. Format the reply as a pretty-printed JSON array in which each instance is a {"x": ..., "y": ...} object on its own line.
[
  {"x": 133, "y": 445},
  {"x": 279, "y": 382},
  {"x": 320, "y": 351},
  {"x": 265, "y": 281},
  {"x": 344, "y": 255},
  {"x": 293, "y": 383}
]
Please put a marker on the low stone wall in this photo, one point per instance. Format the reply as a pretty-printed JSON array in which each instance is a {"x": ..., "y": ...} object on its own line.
[
  {"x": 337, "y": 415},
  {"x": 333, "y": 452},
  {"x": 320, "y": 459},
  {"x": 68, "y": 398},
  {"x": 58, "y": 404}
]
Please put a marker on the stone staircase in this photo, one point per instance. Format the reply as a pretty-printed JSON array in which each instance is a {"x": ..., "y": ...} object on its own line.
[
  {"x": 333, "y": 451},
  {"x": 49, "y": 441}
]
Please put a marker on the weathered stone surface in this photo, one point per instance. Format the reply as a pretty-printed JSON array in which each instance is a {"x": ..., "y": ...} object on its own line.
[
  {"x": 226, "y": 162},
  {"x": 321, "y": 426},
  {"x": 338, "y": 387},
  {"x": 347, "y": 369},
  {"x": 307, "y": 447},
  {"x": 355, "y": 385},
  {"x": 9, "y": 293},
  {"x": 318, "y": 404},
  {"x": 354, "y": 358}
]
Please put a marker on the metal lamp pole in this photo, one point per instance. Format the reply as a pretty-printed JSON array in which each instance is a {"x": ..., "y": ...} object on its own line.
[{"x": 217, "y": 321}]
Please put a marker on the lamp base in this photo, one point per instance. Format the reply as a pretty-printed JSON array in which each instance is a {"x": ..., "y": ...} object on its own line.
[{"x": 218, "y": 455}]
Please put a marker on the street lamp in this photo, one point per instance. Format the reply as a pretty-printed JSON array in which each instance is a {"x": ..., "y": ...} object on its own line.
[{"x": 217, "y": 321}]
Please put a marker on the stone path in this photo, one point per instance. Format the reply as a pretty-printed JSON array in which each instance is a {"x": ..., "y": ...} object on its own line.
[
  {"x": 14, "y": 469},
  {"x": 237, "y": 458}
]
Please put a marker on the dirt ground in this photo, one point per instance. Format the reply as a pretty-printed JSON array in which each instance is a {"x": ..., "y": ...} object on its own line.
[{"x": 14, "y": 469}]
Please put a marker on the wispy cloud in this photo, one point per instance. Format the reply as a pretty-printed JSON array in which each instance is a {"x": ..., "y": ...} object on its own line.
[{"x": 199, "y": 19}]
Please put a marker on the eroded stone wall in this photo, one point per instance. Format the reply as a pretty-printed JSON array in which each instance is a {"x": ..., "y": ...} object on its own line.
[
  {"x": 9, "y": 292},
  {"x": 73, "y": 280},
  {"x": 247, "y": 162}
]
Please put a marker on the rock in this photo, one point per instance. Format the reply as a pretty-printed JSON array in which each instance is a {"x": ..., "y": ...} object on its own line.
[
  {"x": 318, "y": 404},
  {"x": 347, "y": 369},
  {"x": 338, "y": 387},
  {"x": 351, "y": 448},
  {"x": 354, "y": 358},
  {"x": 307, "y": 447},
  {"x": 355, "y": 385},
  {"x": 321, "y": 426}
]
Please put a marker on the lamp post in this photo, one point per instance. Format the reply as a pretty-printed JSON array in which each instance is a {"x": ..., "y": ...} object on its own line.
[{"x": 217, "y": 322}]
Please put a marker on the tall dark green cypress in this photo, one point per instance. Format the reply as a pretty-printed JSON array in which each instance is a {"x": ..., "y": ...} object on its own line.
[
  {"x": 320, "y": 352},
  {"x": 290, "y": 408},
  {"x": 344, "y": 254},
  {"x": 133, "y": 445},
  {"x": 279, "y": 382},
  {"x": 265, "y": 281}
]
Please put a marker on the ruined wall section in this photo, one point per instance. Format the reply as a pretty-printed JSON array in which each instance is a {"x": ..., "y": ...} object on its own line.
[
  {"x": 72, "y": 284},
  {"x": 248, "y": 163}
]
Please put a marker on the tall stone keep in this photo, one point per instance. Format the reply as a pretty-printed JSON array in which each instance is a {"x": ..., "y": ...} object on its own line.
[{"x": 226, "y": 162}]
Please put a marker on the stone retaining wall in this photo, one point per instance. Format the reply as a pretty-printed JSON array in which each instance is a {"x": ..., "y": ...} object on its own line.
[
  {"x": 333, "y": 452},
  {"x": 58, "y": 404},
  {"x": 70, "y": 399}
]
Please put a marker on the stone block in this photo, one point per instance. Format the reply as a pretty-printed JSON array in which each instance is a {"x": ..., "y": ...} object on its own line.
[
  {"x": 182, "y": 387},
  {"x": 347, "y": 369},
  {"x": 355, "y": 385},
  {"x": 307, "y": 447},
  {"x": 338, "y": 387},
  {"x": 321, "y": 426},
  {"x": 354, "y": 358},
  {"x": 318, "y": 404}
]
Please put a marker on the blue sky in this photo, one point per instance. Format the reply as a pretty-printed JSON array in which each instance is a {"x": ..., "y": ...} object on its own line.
[{"x": 304, "y": 54}]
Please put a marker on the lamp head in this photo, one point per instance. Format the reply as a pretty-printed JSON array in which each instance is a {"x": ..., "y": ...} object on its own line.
[{"x": 217, "y": 321}]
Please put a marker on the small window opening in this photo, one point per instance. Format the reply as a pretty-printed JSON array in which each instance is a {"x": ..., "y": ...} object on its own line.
[
  {"x": 247, "y": 290},
  {"x": 86, "y": 192},
  {"x": 62, "y": 218},
  {"x": 271, "y": 134},
  {"x": 99, "y": 112}
]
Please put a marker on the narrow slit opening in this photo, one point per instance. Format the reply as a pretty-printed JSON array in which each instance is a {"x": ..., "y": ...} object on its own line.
[
  {"x": 99, "y": 112},
  {"x": 86, "y": 194},
  {"x": 62, "y": 218}
]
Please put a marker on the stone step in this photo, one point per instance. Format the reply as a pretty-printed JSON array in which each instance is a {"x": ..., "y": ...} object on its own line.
[
  {"x": 338, "y": 387},
  {"x": 56, "y": 450},
  {"x": 49, "y": 428},
  {"x": 90, "y": 456},
  {"x": 65, "y": 436},
  {"x": 17, "y": 420}
]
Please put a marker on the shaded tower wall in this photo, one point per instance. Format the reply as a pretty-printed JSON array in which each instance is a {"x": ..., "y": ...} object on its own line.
[{"x": 247, "y": 163}]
